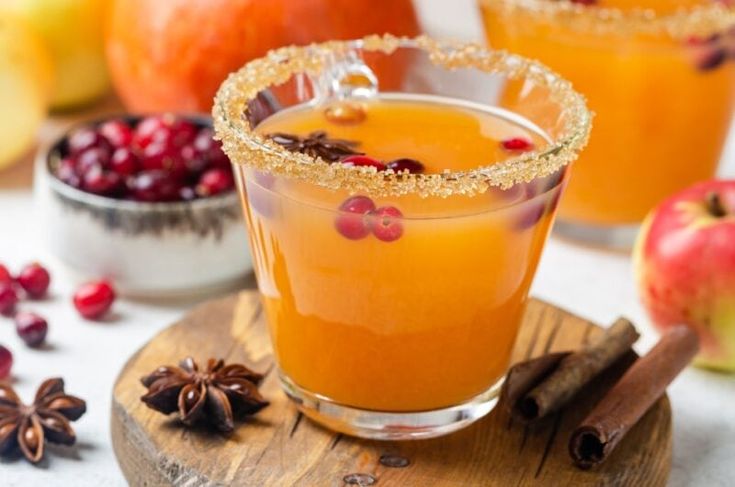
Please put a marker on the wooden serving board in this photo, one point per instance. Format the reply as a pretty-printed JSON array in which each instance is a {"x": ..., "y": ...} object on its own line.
[{"x": 279, "y": 447}]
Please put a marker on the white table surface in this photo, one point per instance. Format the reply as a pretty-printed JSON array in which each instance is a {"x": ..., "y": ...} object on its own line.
[{"x": 595, "y": 284}]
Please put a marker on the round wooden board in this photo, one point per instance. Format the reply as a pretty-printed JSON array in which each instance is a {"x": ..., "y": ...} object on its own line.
[{"x": 279, "y": 447}]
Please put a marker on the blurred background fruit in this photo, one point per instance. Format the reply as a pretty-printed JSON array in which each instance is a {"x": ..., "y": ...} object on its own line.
[
  {"x": 172, "y": 55},
  {"x": 73, "y": 32},
  {"x": 25, "y": 81}
]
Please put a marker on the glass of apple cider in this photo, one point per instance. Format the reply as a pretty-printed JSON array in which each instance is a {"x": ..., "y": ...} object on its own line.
[
  {"x": 397, "y": 201},
  {"x": 659, "y": 75}
]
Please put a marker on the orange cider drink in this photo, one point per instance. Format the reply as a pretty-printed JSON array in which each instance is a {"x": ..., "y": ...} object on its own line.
[
  {"x": 660, "y": 78},
  {"x": 393, "y": 272}
]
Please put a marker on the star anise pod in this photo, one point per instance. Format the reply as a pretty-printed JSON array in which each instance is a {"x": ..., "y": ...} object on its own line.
[
  {"x": 317, "y": 144},
  {"x": 27, "y": 426},
  {"x": 215, "y": 394}
]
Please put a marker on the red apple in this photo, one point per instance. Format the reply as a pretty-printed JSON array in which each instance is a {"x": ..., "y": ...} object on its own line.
[{"x": 685, "y": 267}]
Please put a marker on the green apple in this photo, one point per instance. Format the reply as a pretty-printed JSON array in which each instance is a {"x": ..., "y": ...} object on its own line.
[
  {"x": 26, "y": 76},
  {"x": 73, "y": 31}
]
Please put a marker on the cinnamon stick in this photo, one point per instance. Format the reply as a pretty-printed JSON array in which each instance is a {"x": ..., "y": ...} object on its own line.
[
  {"x": 641, "y": 385},
  {"x": 552, "y": 390}
]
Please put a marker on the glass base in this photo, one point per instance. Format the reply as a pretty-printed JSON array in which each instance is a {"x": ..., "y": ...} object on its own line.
[
  {"x": 613, "y": 237},
  {"x": 379, "y": 425}
]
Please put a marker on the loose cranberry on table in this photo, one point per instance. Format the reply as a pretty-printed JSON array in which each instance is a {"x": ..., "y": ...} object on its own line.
[
  {"x": 8, "y": 298},
  {"x": 34, "y": 279},
  {"x": 5, "y": 275},
  {"x": 31, "y": 328},
  {"x": 94, "y": 299},
  {"x": 6, "y": 362}
]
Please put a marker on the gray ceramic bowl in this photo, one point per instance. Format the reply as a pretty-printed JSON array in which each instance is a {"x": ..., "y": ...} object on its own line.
[{"x": 144, "y": 248}]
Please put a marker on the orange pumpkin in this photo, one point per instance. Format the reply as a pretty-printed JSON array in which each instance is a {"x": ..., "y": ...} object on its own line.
[{"x": 172, "y": 55}]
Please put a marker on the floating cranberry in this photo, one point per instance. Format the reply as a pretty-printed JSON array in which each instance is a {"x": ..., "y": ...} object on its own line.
[
  {"x": 87, "y": 138},
  {"x": 517, "y": 144},
  {"x": 5, "y": 276},
  {"x": 34, "y": 279},
  {"x": 6, "y": 362},
  {"x": 530, "y": 213},
  {"x": 364, "y": 161},
  {"x": 405, "y": 164},
  {"x": 31, "y": 328},
  {"x": 8, "y": 298},
  {"x": 124, "y": 162},
  {"x": 215, "y": 181},
  {"x": 94, "y": 299},
  {"x": 104, "y": 183},
  {"x": 117, "y": 132},
  {"x": 352, "y": 222},
  {"x": 67, "y": 172},
  {"x": 386, "y": 223},
  {"x": 154, "y": 187}
]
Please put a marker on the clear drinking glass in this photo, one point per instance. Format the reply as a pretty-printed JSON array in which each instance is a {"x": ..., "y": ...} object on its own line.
[
  {"x": 407, "y": 332},
  {"x": 657, "y": 74}
]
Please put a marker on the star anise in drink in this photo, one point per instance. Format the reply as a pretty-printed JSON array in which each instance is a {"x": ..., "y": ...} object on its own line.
[
  {"x": 215, "y": 394},
  {"x": 27, "y": 427},
  {"x": 317, "y": 144}
]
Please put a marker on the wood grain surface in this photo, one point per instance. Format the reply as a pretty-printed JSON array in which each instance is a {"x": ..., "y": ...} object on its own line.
[{"x": 279, "y": 447}]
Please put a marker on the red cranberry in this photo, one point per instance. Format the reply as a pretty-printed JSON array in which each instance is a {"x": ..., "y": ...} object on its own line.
[
  {"x": 34, "y": 279},
  {"x": 124, "y": 162},
  {"x": 411, "y": 165},
  {"x": 161, "y": 155},
  {"x": 215, "y": 181},
  {"x": 6, "y": 362},
  {"x": 31, "y": 328},
  {"x": 154, "y": 186},
  {"x": 195, "y": 162},
  {"x": 67, "y": 172},
  {"x": 87, "y": 138},
  {"x": 354, "y": 161},
  {"x": 530, "y": 213},
  {"x": 166, "y": 128},
  {"x": 105, "y": 183},
  {"x": 8, "y": 298},
  {"x": 352, "y": 222},
  {"x": 91, "y": 158},
  {"x": 117, "y": 132},
  {"x": 210, "y": 149},
  {"x": 517, "y": 144},
  {"x": 5, "y": 276},
  {"x": 94, "y": 299},
  {"x": 386, "y": 223}
]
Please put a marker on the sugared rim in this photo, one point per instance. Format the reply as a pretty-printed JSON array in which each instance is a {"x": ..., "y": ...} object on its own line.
[
  {"x": 684, "y": 23},
  {"x": 244, "y": 146}
]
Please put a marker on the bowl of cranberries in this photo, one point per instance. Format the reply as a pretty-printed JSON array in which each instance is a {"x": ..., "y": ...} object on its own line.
[{"x": 146, "y": 201}]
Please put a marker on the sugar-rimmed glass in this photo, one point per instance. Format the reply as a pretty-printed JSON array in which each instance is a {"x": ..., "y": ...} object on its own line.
[
  {"x": 659, "y": 77},
  {"x": 407, "y": 339}
]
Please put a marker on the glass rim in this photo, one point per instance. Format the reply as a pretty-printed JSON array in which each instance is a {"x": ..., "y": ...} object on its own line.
[
  {"x": 244, "y": 146},
  {"x": 683, "y": 23}
]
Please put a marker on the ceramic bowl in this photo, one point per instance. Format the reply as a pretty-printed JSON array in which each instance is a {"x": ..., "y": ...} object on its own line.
[{"x": 144, "y": 248}]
